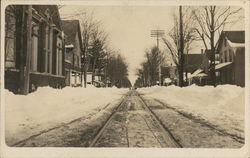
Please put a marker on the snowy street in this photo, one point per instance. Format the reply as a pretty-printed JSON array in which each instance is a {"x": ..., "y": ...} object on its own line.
[
  {"x": 125, "y": 79},
  {"x": 50, "y": 108},
  {"x": 147, "y": 117}
]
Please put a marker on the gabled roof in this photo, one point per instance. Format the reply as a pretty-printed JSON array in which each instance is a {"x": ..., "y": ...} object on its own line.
[
  {"x": 71, "y": 28},
  {"x": 53, "y": 11},
  {"x": 233, "y": 36},
  {"x": 193, "y": 61}
]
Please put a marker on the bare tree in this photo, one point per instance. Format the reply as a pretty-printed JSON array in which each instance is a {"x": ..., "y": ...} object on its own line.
[
  {"x": 211, "y": 20},
  {"x": 98, "y": 49},
  {"x": 144, "y": 74},
  {"x": 88, "y": 27},
  {"x": 172, "y": 41},
  {"x": 150, "y": 67},
  {"x": 117, "y": 70}
]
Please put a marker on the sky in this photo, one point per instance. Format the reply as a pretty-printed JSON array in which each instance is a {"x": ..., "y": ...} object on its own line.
[{"x": 129, "y": 28}]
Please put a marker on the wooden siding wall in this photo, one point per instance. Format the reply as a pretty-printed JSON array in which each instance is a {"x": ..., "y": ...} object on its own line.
[
  {"x": 44, "y": 75},
  {"x": 240, "y": 68}
]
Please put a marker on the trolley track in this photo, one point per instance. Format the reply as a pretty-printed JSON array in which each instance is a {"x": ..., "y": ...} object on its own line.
[
  {"x": 134, "y": 122},
  {"x": 153, "y": 125},
  {"x": 101, "y": 129},
  {"x": 161, "y": 123},
  {"x": 197, "y": 120},
  {"x": 30, "y": 138}
]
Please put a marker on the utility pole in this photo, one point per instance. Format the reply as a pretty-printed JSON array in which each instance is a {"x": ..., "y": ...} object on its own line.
[
  {"x": 85, "y": 68},
  {"x": 106, "y": 69},
  {"x": 181, "y": 51},
  {"x": 213, "y": 75},
  {"x": 158, "y": 33},
  {"x": 82, "y": 70},
  {"x": 26, "y": 43}
]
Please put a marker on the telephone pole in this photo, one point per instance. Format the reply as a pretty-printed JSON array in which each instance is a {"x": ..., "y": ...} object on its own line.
[
  {"x": 181, "y": 51},
  {"x": 158, "y": 33}
]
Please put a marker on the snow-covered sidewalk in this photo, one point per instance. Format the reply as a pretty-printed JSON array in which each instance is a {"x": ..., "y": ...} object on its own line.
[
  {"x": 47, "y": 108},
  {"x": 222, "y": 106}
]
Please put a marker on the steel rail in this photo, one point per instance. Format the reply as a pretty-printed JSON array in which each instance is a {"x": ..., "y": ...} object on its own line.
[
  {"x": 209, "y": 125},
  {"x": 100, "y": 131},
  {"x": 170, "y": 134},
  {"x": 23, "y": 141}
]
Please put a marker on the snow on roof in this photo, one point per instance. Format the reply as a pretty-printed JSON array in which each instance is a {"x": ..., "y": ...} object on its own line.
[
  {"x": 236, "y": 45},
  {"x": 201, "y": 75},
  {"x": 167, "y": 80},
  {"x": 235, "y": 36},
  {"x": 195, "y": 73},
  {"x": 216, "y": 61},
  {"x": 221, "y": 65},
  {"x": 99, "y": 82},
  {"x": 69, "y": 46}
]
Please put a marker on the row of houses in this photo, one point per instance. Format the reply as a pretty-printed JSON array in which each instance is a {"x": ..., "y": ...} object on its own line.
[
  {"x": 41, "y": 49},
  {"x": 230, "y": 63}
]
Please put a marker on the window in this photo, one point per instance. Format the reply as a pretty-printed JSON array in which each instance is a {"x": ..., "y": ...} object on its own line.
[
  {"x": 76, "y": 60},
  {"x": 231, "y": 54},
  {"x": 10, "y": 37},
  {"x": 69, "y": 55},
  {"x": 225, "y": 42},
  {"x": 47, "y": 13},
  {"x": 46, "y": 48},
  {"x": 79, "y": 61},
  {"x": 34, "y": 51},
  {"x": 50, "y": 49},
  {"x": 48, "y": 43},
  {"x": 59, "y": 56},
  {"x": 225, "y": 55}
]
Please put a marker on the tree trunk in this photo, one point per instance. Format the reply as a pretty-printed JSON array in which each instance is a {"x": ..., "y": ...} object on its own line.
[
  {"x": 85, "y": 75},
  {"x": 212, "y": 64},
  {"x": 93, "y": 71},
  {"x": 186, "y": 77},
  {"x": 180, "y": 73}
]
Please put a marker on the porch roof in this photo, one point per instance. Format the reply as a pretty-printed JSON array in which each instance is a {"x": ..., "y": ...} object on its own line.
[
  {"x": 198, "y": 71},
  {"x": 222, "y": 65},
  {"x": 201, "y": 75}
]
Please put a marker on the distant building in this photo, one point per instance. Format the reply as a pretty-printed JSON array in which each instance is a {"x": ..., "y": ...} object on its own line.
[
  {"x": 192, "y": 62},
  {"x": 231, "y": 50},
  {"x": 169, "y": 73},
  {"x": 46, "y": 51},
  {"x": 196, "y": 68},
  {"x": 74, "y": 49}
]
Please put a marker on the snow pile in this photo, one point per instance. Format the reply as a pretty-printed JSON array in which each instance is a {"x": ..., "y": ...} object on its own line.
[
  {"x": 47, "y": 108},
  {"x": 222, "y": 106}
]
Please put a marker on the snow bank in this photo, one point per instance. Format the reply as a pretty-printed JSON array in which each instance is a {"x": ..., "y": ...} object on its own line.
[
  {"x": 222, "y": 106},
  {"x": 48, "y": 107}
]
